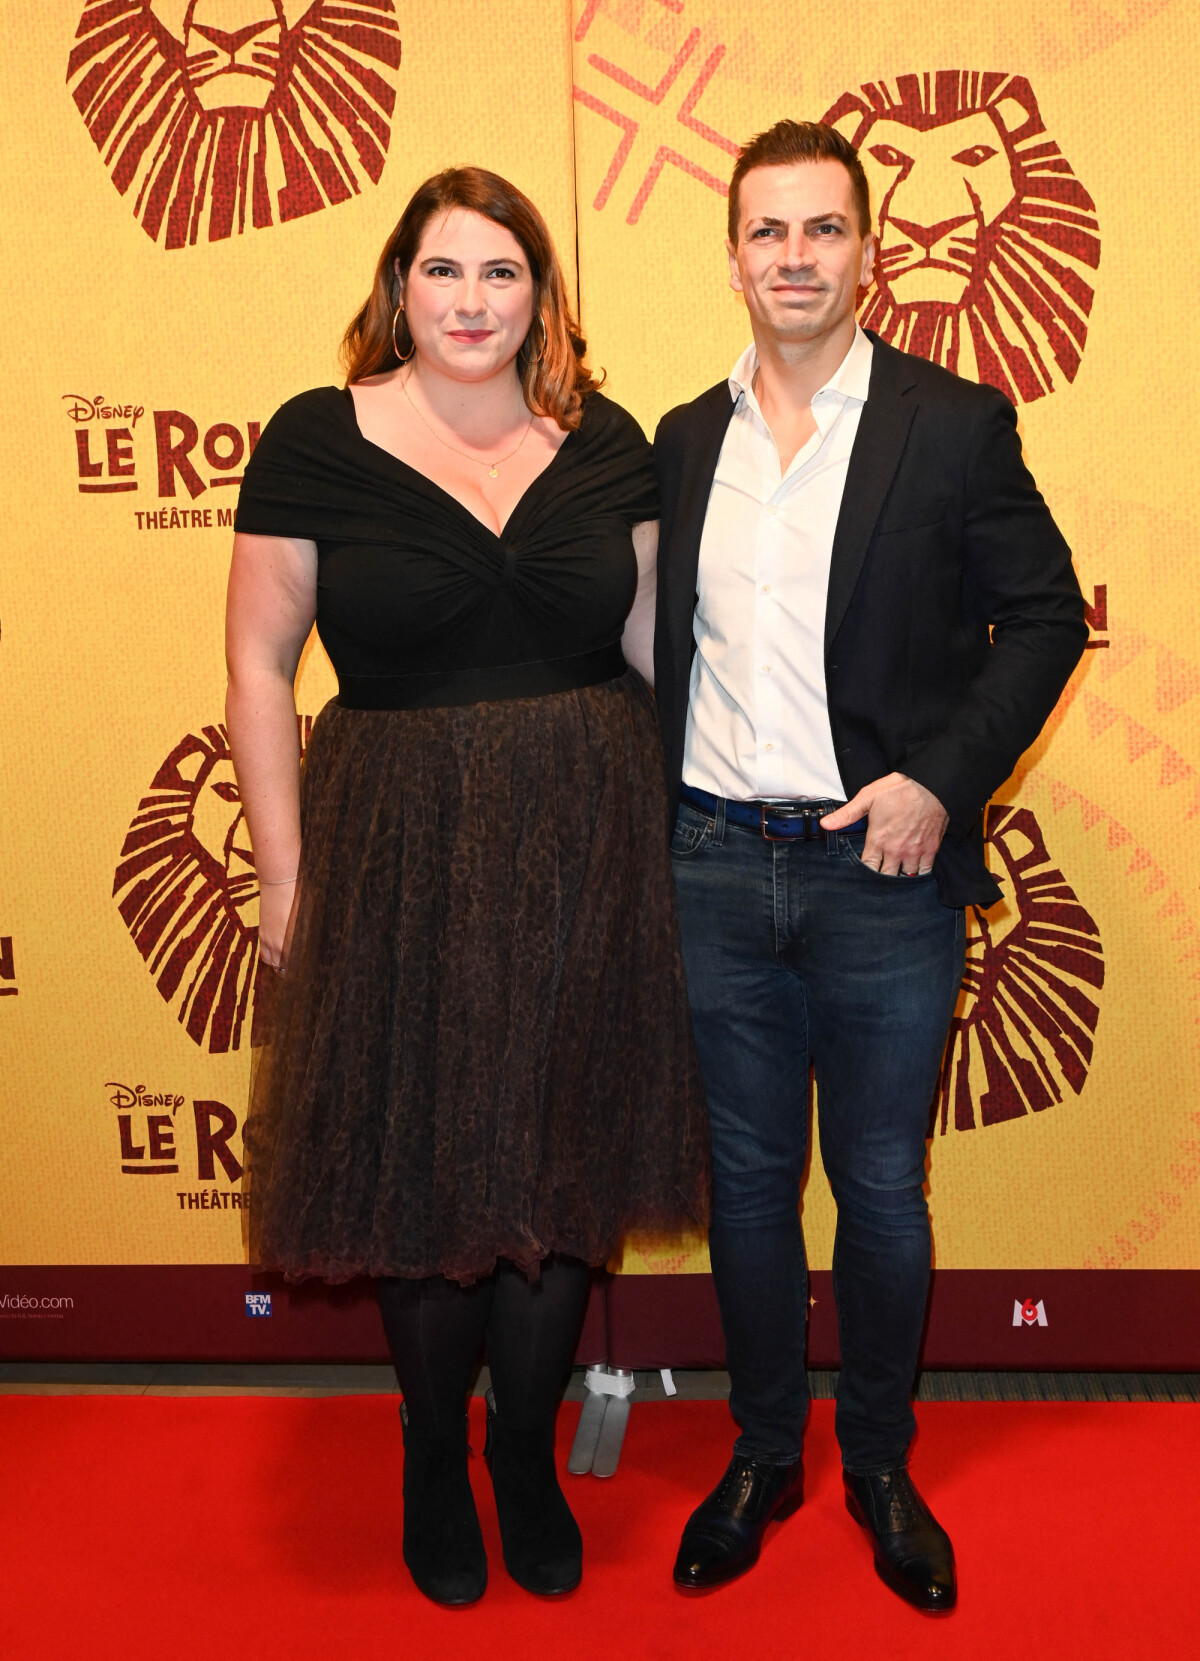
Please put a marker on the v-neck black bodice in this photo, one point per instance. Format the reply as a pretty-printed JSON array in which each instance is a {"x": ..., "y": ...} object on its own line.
[{"x": 410, "y": 583}]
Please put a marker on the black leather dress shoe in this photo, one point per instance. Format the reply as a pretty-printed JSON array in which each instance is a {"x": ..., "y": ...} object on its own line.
[
  {"x": 723, "y": 1535},
  {"x": 913, "y": 1554}
]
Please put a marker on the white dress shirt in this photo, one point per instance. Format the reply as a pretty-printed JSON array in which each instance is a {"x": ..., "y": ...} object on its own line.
[{"x": 758, "y": 719}]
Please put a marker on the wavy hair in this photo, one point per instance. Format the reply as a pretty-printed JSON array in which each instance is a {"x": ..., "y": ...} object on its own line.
[{"x": 554, "y": 376}]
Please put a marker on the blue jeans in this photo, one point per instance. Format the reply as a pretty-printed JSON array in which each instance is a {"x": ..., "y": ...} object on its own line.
[{"x": 798, "y": 953}]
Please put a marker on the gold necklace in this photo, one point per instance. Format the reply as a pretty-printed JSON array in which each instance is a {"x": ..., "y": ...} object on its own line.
[{"x": 492, "y": 467}]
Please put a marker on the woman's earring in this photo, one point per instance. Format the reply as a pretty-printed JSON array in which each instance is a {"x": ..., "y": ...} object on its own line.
[
  {"x": 541, "y": 321},
  {"x": 399, "y": 354}
]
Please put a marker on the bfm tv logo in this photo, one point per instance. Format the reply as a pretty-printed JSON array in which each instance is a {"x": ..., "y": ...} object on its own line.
[
  {"x": 1029, "y": 1313},
  {"x": 106, "y": 459}
]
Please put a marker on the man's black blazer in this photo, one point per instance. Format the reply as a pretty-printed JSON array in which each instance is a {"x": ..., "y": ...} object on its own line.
[{"x": 954, "y": 618}]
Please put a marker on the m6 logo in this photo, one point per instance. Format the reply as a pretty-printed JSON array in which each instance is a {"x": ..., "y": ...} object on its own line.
[{"x": 1029, "y": 1313}]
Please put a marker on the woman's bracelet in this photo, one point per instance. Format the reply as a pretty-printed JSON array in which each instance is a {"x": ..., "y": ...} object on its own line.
[{"x": 275, "y": 882}]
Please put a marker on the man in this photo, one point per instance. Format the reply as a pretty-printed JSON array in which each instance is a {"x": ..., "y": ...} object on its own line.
[{"x": 865, "y": 615}]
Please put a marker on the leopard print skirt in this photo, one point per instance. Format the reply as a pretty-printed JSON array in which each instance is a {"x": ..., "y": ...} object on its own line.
[{"x": 481, "y": 1046}]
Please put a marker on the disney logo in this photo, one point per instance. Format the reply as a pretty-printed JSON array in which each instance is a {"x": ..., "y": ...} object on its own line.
[
  {"x": 95, "y": 409},
  {"x": 125, "y": 1095}
]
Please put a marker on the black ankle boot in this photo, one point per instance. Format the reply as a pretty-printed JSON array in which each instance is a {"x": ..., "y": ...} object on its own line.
[
  {"x": 543, "y": 1548},
  {"x": 443, "y": 1546}
]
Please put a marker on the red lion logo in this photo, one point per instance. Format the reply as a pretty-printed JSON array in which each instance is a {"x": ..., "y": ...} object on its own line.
[
  {"x": 218, "y": 112},
  {"x": 985, "y": 234},
  {"x": 187, "y": 889},
  {"x": 1027, "y": 1017}
]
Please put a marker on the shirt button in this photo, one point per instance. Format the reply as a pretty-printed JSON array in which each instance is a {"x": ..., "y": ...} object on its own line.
[
  {"x": 766, "y": 668},
  {"x": 766, "y": 588},
  {"x": 768, "y": 746}
]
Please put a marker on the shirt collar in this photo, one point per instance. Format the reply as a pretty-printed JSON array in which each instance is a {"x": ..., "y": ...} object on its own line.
[{"x": 850, "y": 380}]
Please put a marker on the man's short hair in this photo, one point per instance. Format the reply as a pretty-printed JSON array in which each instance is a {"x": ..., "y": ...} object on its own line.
[{"x": 788, "y": 142}]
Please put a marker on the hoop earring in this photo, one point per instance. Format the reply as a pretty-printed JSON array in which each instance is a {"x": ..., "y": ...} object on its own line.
[{"x": 400, "y": 356}]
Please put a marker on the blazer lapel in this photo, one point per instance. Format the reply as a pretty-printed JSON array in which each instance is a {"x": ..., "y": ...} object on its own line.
[
  {"x": 713, "y": 412},
  {"x": 878, "y": 445}
]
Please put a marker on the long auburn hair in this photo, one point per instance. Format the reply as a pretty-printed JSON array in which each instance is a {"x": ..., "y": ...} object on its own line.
[{"x": 554, "y": 377}]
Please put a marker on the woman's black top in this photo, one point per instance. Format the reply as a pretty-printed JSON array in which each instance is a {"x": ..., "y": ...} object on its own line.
[{"x": 414, "y": 593}]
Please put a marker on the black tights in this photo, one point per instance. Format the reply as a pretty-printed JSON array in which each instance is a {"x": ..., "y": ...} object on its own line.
[{"x": 436, "y": 1329}]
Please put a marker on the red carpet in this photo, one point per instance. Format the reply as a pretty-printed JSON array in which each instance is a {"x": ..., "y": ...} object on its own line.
[{"x": 252, "y": 1528}]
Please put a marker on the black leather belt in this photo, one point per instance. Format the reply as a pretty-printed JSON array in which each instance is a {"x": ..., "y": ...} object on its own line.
[
  {"x": 442, "y": 688},
  {"x": 775, "y": 821}
]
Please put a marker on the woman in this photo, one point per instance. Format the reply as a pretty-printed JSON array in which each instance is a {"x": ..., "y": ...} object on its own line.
[{"x": 481, "y": 1069}]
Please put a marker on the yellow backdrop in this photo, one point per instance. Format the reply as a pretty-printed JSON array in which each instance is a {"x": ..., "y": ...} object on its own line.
[{"x": 193, "y": 212}]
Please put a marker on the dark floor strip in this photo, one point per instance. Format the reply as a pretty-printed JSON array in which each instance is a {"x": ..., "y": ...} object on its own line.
[{"x": 181, "y": 1378}]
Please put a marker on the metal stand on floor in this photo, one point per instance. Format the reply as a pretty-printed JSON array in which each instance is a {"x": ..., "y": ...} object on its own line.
[{"x": 603, "y": 1418}]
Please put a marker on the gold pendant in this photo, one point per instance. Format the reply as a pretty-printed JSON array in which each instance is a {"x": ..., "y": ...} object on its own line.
[{"x": 493, "y": 472}]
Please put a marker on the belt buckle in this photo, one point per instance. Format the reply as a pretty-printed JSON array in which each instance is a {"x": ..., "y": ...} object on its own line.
[{"x": 805, "y": 814}]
